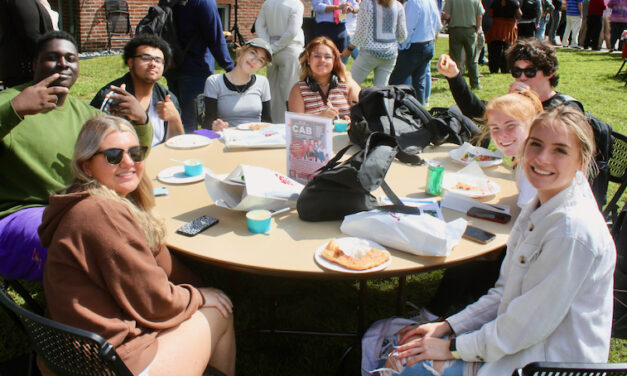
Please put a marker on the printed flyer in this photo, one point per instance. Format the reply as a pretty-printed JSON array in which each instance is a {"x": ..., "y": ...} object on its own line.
[{"x": 309, "y": 142}]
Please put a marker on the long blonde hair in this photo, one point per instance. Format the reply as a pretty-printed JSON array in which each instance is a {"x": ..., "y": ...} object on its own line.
[
  {"x": 140, "y": 202},
  {"x": 576, "y": 123}
]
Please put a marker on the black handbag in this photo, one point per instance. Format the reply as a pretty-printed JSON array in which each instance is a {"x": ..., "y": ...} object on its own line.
[{"x": 342, "y": 188}]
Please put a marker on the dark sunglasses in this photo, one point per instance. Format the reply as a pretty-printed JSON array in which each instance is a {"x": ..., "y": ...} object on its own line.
[
  {"x": 529, "y": 72},
  {"x": 114, "y": 155}
]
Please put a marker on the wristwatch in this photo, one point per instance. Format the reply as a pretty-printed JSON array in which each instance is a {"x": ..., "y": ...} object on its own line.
[
  {"x": 350, "y": 48},
  {"x": 453, "y": 348}
]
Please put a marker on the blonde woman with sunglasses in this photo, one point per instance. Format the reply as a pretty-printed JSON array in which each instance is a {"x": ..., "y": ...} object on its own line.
[{"x": 108, "y": 269}]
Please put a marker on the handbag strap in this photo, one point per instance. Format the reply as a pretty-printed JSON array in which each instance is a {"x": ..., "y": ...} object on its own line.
[{"x": 397, "y": 205}]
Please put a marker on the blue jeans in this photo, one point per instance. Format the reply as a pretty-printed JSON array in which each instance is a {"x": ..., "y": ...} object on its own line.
[
  {"x": 414, "y": 62},
  {"x": 186, "y": 88}
]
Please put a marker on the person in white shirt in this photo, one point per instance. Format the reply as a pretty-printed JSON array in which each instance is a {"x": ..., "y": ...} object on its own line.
[
  {"x": 553, "y": 299},
  {"x": 280, "y": 24}
]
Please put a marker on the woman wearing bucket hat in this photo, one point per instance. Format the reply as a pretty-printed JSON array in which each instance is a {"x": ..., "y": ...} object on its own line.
[{"x": 240, "y": 96}]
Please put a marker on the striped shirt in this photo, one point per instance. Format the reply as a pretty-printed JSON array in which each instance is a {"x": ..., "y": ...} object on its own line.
[{"x": 338, "y": 98}]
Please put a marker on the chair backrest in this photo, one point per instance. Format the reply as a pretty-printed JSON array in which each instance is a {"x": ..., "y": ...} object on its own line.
[
  {"x": 618, "y": 169},
  {"x": 66, "y": 350},
  {"x": 117, "y": 15},
  {"x": 568, "y": 369}
]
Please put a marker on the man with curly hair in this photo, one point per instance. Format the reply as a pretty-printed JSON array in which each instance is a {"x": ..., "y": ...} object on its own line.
[{"x": 147, "y": 56}]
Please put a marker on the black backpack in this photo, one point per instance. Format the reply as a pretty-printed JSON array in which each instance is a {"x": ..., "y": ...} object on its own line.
[
  {"x": 604, "y": 142},
  {"x": 529, "y": 9},
  {"x": 619, "y": 233},
  {"x": 160, "y": 21},
  {"x": 394, "y": 110}
]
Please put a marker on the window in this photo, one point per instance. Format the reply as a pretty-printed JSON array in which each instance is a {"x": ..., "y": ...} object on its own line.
[{"x": 225, "y": 15}]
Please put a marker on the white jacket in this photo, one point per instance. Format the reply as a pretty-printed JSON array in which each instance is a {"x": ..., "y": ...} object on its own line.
[{"x": 553, "y": 298}]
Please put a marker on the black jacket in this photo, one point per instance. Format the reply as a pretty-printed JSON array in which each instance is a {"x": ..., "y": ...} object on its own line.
[{"x": 158, "y": 94}]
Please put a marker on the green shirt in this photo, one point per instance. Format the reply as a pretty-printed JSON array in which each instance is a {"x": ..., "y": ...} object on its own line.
[
  {"x": 36, "y": 152},
  {"x": 463, "y": 12}
]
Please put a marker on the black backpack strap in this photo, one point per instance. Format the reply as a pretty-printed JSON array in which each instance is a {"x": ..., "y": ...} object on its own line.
[
  {"x": 398, "y": 206},
  {"x": 335, "y": 160}
]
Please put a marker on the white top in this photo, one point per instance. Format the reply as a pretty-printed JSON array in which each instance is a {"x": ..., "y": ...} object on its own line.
[
  {"x": 553, "y": 299},
  {"x": 280, "y": 23},
  {"x": 526, "y": 191},
  {"x": 234, "y": 107},
  {"x": 379, "y": 29},
  {"x": 158, "y": 125}
]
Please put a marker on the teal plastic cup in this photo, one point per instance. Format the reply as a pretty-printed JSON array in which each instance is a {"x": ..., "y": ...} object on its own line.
[
  {"x": 193, "y": 167},
  {"x": 258, "y": 221},
  {"x": 340, "y": 125}
]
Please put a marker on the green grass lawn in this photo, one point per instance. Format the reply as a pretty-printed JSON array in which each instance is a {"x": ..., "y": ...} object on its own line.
[{"x": 332, "y": 306}]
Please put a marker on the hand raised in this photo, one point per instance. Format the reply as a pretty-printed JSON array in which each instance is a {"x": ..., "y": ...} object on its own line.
[
  {"x": 127, "y": 105},
  {"x": 447, "y": 66},
  {"x": 517, "y": 87},
  {"x": 217, "y": 299},
  {"x": 39, "y": 97},
  {"x": 166, "y": 109}
]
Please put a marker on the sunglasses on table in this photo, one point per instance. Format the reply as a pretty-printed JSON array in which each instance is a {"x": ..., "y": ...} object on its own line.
[
  {"x": 529, "y": 72},
  {"x": 114, "y": 155}
]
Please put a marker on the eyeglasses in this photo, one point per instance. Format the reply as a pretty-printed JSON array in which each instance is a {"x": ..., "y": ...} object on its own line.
[
  {"x": 529, "y": 72},
  {"x": 114, "y": 155},
  {"x": 148, "y": 58}
]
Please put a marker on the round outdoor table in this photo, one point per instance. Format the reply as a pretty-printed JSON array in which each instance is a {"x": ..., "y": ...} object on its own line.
[{"x": 288, "y": 249}]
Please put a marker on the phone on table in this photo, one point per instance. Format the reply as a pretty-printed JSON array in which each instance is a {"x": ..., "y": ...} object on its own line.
[
  {"x": 197, "y": 225},
  {"x": 489, "y": 215},
  {"x": 478, "y": 235}
]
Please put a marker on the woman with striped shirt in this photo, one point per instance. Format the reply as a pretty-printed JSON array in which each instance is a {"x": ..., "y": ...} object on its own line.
[{"x": 325, "y": 88}]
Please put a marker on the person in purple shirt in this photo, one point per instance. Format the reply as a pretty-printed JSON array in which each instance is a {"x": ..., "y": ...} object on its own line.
[{"x": 199, "y": 26}]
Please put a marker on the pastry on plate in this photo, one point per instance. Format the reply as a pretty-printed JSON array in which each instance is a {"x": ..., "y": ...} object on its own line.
[
  {"x": 257, "y": 126},
  {"x": 355, "y": 255}
]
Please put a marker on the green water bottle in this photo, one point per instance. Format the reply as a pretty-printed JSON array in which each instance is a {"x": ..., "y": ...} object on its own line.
[{"x": 434, "y": 178}]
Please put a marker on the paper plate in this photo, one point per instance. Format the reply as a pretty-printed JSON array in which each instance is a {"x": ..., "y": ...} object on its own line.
[
  {"x": 333, "y": 266},
  {"x": 253, "y": 126},
  {"x": 188, "y": 141},
  {"x": 469, "y": 186},
  {"x": 176, "y": 175},
  {"x": 484, "y": 157}
]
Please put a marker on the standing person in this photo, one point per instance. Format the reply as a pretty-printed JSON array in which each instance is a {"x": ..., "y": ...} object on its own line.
[
  {"x": 618, "y": 22},
  {"x": 559, "y": 266},
  {"x": 240, "y": 96},
  {"x": 280, "y": 24},
  {"x": 547, "y": 10},
  {"x": 331, "y": 19},
  {"x": 380, "y": 27},
  {"x": 574, "y": 11},
  {"x": 528, "y": 22},
  {"x": 503, "y": 33},
  {"x": 200, "y": 31},
  {"x": 464, "y": 24},
  {"x": 39, "y": 124},
  {"x": 606, "y": 33},
  {"x": 415, "y": 54},
  {"x": 146, "y": 57},
  {"x": 351, "y": 25},
  {"x": 555, "y": 21},
  {"x": 113, "y": 274},
  {"x": 325, "y": 88},
  {"x": 22, "y": 22},
  {"x": 595, "y": 22}
]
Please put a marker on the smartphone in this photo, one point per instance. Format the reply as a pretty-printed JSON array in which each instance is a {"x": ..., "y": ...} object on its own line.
[
  {"x": 108, "y": 103},
  {"x": 489, "y": 215},
  {"x": 197, "y": 226},
  {"x": 160, "y": 191},
  {"x": 478, "y": 235}
]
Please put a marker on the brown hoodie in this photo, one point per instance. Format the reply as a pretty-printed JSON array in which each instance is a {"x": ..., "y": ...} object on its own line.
[{"x": 101, "y": 276}]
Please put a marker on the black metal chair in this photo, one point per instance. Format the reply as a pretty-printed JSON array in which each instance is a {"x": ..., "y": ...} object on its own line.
[
  {"x": 618, "y": 167},
  {"x": 65, "y": 350},
  {"x": 572, "y": 369},
  {"x": 118, "y": 19}
]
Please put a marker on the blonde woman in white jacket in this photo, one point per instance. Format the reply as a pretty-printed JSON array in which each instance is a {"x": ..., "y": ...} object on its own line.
[{"x": 553, "y": 298}]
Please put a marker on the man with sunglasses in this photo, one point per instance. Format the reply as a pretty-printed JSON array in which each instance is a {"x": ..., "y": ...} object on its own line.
[
  {"x": 39, "y": 125},
  {"x": 146, "y": 56}
]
